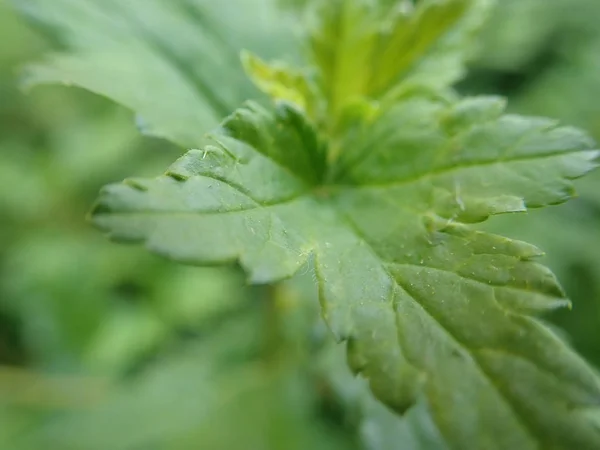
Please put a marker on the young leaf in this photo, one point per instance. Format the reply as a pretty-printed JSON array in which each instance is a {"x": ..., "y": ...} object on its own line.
[
  {"x": 427, "y": 304},
  {"x": 362, "y": 55},
  {"x": 283, "y": 83},
  {"x": 175, "y": 63}
]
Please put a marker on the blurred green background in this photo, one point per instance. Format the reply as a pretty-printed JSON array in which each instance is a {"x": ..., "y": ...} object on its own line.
[{"x": 108, "y": 347}]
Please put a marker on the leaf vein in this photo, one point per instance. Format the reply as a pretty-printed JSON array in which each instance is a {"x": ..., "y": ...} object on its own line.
[
  {"x": 448, "y": 169},
  {"x": 475, "y": 280},
  {"x": 485, "y": 375}
]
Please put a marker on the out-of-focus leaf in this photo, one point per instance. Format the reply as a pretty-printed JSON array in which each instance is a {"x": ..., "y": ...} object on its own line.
[
  {"x": 215, "y": 393},
  {"x": 361, "y": 55},
  {"x": 180, "y": 84},
  {"x": 516, "y": 32},
  {"x": 115, "y": 313}
]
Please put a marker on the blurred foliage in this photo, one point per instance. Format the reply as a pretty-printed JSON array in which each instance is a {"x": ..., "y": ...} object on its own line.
[{"x": 108, "y": 347}]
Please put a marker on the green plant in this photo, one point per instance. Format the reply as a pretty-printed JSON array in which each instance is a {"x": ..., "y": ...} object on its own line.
[
  {"x": 367, "y": 171},
  {"x": 550, "y": 67}
]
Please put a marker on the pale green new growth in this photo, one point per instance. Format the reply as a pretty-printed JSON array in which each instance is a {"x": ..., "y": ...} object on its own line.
[
  {"x": 366, "y": 49},
  {"x": 371, "y": 176},
  {"x": 282, "y": 83}
]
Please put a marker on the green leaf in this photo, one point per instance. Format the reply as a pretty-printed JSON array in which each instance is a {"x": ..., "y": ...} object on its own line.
[
  {"x": 571, "y": 239},
  {"x": 517, "y": 30},
  {"x": 523, "y": 33},
  {"x": 428, "y": 305},
  {"x": 375, "y": 52},
  {"x": 378, "y": 427},
  {"x": 283, "y": 83},
  {"x": 180, "y": 84}
]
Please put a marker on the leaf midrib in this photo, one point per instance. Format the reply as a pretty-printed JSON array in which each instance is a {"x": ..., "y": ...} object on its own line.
[{"x": 472, "y": 164}]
